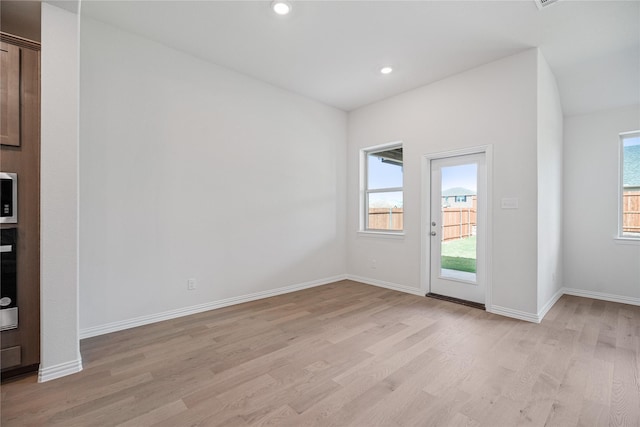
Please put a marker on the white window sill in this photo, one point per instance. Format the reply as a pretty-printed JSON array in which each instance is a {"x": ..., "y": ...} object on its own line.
[
  {"x": 381, "y": 234},
  {"x": 627, "y": 240}
]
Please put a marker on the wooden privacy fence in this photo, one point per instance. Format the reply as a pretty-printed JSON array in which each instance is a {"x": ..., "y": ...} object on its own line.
[
  {"x": 458, "y": 222},
  {"x": 631, "y": 212},
  {"x": 461, "y": 222},
  {"x": 386, "y": 218}
]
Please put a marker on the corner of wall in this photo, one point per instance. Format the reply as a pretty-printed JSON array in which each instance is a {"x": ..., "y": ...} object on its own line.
[
  {"x": 549, "y": 136},
  {"x": 58, "y": 371},
  {"x": 60, "y": 345}
]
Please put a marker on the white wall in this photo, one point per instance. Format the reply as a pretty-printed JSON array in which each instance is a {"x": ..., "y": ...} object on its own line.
[
  {"x": 189, "y": 170},
  {"x": 492, "y": 104},
  {"x": 594, "y": 263},
  {"x": 550, "y": 200},
  {"x": 60, "y": 353}
]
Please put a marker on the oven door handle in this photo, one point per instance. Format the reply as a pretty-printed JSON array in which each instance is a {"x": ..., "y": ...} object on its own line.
[{"x": 6, "y": 248}]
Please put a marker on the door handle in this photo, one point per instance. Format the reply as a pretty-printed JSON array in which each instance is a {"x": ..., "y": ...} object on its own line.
[{"x": 433, "y": 233}]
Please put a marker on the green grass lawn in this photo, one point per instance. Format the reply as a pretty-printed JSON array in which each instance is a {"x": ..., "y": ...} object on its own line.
[{"x": 460, "y": 254}]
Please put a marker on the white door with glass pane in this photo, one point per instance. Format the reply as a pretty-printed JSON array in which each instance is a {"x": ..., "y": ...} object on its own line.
[{"x": 457, "y": 231}]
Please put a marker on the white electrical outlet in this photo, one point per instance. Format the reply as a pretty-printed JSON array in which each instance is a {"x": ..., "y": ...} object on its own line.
[
  {"x": 191, "y": 284},
  {"x": 374, "y": 264}
]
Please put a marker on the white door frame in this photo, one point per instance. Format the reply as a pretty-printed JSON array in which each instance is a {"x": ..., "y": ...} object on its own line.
[{"x": 425, "y": 216}]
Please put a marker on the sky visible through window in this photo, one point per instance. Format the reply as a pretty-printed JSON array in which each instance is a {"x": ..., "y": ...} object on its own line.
[
  {"x": 384, "y": 175},
  {"x": 631, "y": 161},
  {"x": 630, "y": 142},
  {"x": 463, "y": 176}
]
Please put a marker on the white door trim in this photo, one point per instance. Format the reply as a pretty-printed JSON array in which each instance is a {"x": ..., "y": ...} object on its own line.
[{"x": 425, "y": 215}]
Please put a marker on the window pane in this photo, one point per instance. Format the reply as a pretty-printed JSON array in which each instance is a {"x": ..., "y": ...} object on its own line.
[
  {"x": 384, "y": 169},
  {"x": 385, "y": 211},
  {"x": 631, "y": 185}
]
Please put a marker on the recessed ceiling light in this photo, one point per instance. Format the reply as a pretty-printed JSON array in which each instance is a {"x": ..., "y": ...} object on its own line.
[
  {"x": 386, "y": 70},
  {"x": 281, "y": 7}
]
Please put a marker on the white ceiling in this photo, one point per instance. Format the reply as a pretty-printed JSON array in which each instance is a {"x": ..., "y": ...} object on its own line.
[{"x": 332, "y": 50}]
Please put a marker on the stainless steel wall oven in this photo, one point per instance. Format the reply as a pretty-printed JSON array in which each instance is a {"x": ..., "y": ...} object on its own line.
[{"x": 8, "y": 197}]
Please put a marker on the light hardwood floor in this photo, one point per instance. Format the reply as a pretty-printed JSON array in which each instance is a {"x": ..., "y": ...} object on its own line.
[{"x": 349, "y": 354}]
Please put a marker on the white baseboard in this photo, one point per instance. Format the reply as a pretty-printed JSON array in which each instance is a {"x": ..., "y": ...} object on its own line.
[
  {"x": 186, "y": 311},
  {"x": 554, "y": 299},
  {"x": 387, "y": 285},
  {"x": 508, "y": 312},
  {"x": 516, "y": 314},
  {"x": 53, "y": 372},
  {"x": 61, "y": 370},
  {"x": 602, "y": 296},
  {"x": 503, "y": 311}
]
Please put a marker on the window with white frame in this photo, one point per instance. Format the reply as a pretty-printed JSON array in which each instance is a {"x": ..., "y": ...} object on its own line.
[
  {"x": 630, "y": 185},
  {"x": 382, "y": 202}
]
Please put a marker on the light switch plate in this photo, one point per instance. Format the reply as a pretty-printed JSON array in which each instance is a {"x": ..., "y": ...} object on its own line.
[{"x": 509, "y": 203}]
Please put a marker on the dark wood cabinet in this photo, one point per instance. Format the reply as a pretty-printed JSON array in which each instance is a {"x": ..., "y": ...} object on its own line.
[
  {"x": 20, "y": 154},
  {"x": 10, "y": 94}
]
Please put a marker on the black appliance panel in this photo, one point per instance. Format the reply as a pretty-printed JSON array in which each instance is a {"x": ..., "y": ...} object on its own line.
[{"x": 8, "y": 279}]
